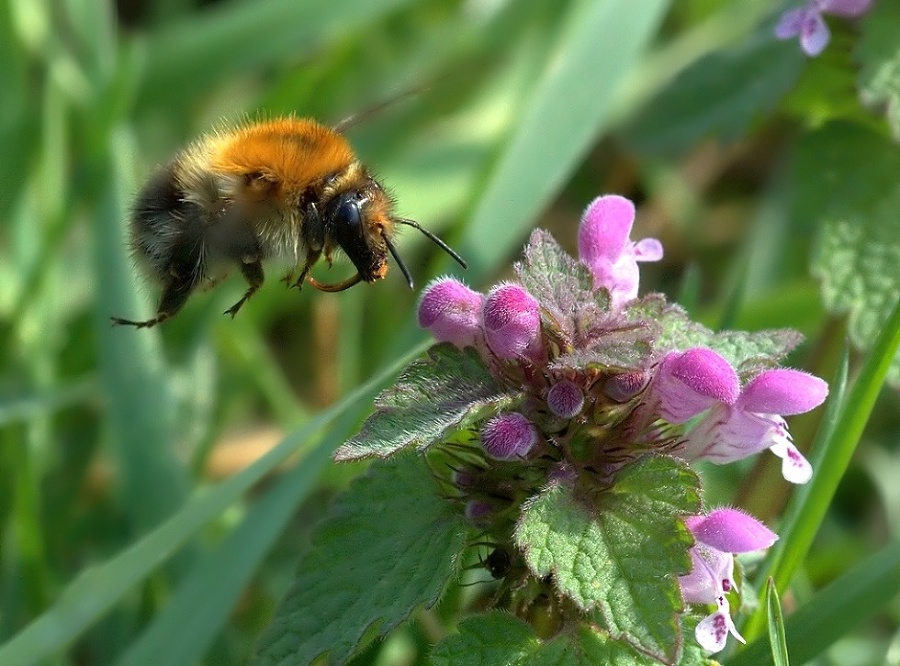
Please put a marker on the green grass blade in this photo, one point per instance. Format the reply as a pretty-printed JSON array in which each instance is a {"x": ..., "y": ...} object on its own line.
[
  {"x": 776, "y": 625},
  {"x": 561, "y": 120},
  {"x": 96, "y": 590},
  {"x": 835, "y": 611}
]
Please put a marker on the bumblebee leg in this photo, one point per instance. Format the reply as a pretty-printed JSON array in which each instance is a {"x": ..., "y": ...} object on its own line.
[
  {"x": 174, "y": 296},
  {"x": 288, "y": 279},
  {"x": 253, "y": 273},
  {"x": 312, "y": 256}
]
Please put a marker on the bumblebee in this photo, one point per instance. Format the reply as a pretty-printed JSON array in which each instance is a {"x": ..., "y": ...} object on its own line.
[{"x": 289, "y": 189}]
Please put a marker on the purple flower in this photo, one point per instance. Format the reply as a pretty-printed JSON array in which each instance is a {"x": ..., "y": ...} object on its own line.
[
  {"x": 807, "y": 22},
  {"x": 623, "y": 387},
  {"x": 478, "y": 512},
  {"x": 717, "y": 536},
  {"x": 605, "y": 248},
  {"x": 730, "y": 432},
  {"x": 451, "y": 312},
  {"x": 512, "y": 323},
  {"x": 508, "y": 436},
  {"x": 565, "y": 399}
]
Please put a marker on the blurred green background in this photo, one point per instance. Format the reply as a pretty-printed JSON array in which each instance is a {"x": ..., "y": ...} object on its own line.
[{"x": 525, "y": 110}]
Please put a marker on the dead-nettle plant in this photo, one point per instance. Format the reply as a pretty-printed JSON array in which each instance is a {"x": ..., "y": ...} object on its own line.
[{"x": 555, "y": 423}]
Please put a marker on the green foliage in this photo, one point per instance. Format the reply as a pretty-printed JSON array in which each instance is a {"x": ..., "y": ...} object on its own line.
[
  {"x": 125, "y": 539},
  {"x": 581, "y": 541},
  {"x": 844, "y": 184},
  {"x": 433, "y": 398},
  {"x": 367, "y": 571}
]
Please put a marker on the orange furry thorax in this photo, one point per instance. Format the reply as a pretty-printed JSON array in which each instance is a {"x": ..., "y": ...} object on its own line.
[{"x": 293, "y": 153}]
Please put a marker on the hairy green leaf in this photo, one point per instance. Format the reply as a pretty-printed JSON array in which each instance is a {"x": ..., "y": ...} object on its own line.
[
  {"x": 436, "y": 395},
  {"x": 621, "y": 550},
  {"x": 845, "y": 182},
  {"x": 388, "y": 546},
  {"x": 879, "y": 51},
  {"x": 489, "y": 639}
]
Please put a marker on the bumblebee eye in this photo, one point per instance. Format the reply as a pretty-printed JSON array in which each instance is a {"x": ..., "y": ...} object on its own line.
[{"x": 348, "y": 218}]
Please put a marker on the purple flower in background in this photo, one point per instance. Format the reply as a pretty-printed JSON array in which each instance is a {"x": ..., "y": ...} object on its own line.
[
  {"x": 451, "y": 312},
  {"x": 718, "y": 536},
  {"x": 605, "y": 248},
  {"x": 508, "y": 436},
  {"x": 754, "y": 422},
  {"x": 807, "y": 22},
  {"x": 512, "y": 323}
]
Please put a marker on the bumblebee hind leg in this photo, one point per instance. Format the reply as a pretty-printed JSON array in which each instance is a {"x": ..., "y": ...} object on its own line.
[{"x": 175, "y": 294}]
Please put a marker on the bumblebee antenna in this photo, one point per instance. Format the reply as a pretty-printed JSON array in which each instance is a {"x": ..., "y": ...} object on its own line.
[
  {"x": 434, "y": 239},
  {"x": 396, "y": 256}
]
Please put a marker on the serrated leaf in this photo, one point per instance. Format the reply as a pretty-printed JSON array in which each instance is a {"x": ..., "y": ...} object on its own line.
[
  {"x": 616, "y": 357},
  {"x": 879, "y": 52},
  {"x": 388, "y": 546},
  {"x": 719, "y": 95},
  {"x": 500, "y": 639},
  {"x": 747, "y": 351},
  {"x": 845, "y": 182},
  {"x": 563, "y": 286},
  {"x": 620, "y": 552},
  {"x": 488, "y": 639},
  {"x": 446, "y": 391}
]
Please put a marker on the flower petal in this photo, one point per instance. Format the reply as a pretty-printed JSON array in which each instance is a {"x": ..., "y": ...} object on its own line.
[
  {"x": 784, "y": 392},
  {"x": 790, "y": 24},
  {"x": 690, "y": 382},
  {"x": 713, "y": 630},
  {"x": 605, "y": 227},
  {"x": 846, "y": 8},
  {"x": 648, "y": 249},
  {"x": 733, "y": 531},
  {"x": 814, "y": 34},
  {"x": 451, "y": 312},
  {"x": 512, "y": 322},
  {"x": 794, "y": 467}
]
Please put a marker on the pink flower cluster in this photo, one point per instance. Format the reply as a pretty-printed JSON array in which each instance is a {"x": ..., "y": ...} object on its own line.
[
  {"x": 807, "y": 22},
  {"x": 690, "y": 404}
]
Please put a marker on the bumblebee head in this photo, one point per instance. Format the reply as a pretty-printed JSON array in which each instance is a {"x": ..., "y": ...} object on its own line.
[{"x": 360, "y": 221}]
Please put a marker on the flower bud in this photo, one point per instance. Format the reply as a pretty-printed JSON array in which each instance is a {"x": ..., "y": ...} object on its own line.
[
  {"x": 565, "y": 399},
  {"x": 512, "y": 323},
  {"x": 451, "y": 312},
  {"x": 478, "y": 512},
  {"x": 508, "y": 436},
  {"x": 622, "y": 388}
]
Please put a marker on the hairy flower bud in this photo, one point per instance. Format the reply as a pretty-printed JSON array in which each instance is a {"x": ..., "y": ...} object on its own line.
[
  {"x": 508, "y": 436},
  {"x": 451, "y": 312},
  {"x": 565, "y": 399},
  {"x": 512, "y": 323}
]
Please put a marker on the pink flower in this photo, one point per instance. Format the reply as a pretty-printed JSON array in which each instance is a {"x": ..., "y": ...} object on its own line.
[
  {"x": 718, "y": 536},
  {"x": 691, "y": 382},
  {"x": 807, "y": 22},
  {"x": 451, "y": 312},
  {"x": 730, "y": 432},
  {"x": 605, "y": 248},
  {"x": 512, "y": 323},
  {"x": 508, "y": 436}
]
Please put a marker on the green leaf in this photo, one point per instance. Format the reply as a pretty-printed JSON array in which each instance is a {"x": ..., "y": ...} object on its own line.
[
  {"x": 488, "y": 639},
  {"x": 389, "y": 545},
  {"x": 447, "y": 391},
  {"x": 719, "y": 95},
  {"x": 776, "y": 625},
  {"x": 499, "y": 639},
  {"x": 845, "y": 183},
  {"x": 620, "y": 551},
  {"x": 746, "y": 351},
  {"x": 560, "y": 120},
  {"x": 879, "y": 52}
]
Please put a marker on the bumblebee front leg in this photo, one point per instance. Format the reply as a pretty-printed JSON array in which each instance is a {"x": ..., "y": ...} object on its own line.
[
  {"x": 252, "y": 270},
  {"x": 312, "y": 256},
  {"x": 175, "y": 294}
]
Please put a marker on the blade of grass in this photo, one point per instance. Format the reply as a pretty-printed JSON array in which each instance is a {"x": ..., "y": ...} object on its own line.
[
  {"x": 840, "y": 433},
  {"x": 835, "y": 611},
  {"x": 776, "y": 625},
  {"x": 560, "y": 121},
  {"x": 49, "y": 401},
  {"x": 97, "y": 589}
]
